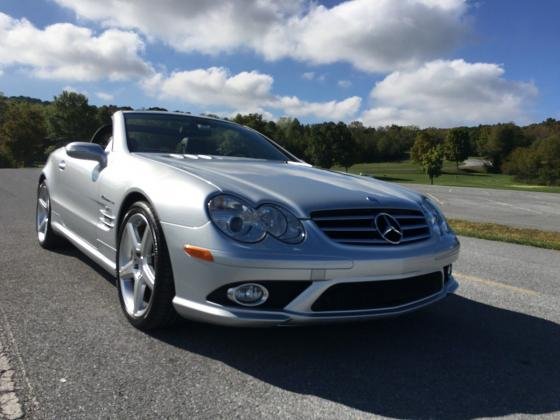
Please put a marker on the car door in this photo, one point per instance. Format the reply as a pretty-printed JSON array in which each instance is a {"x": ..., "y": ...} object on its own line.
[
  {"x": 57, "y": 191},
  {"x": 78, "y": 181},
  {"x": 77, "y": 191},
  {"x": 108, "y": 193}
]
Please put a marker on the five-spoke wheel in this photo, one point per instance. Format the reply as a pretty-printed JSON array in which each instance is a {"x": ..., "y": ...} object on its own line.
[
  {"x": 145, "y": 281},
  {"x": 136, "y": 265}
]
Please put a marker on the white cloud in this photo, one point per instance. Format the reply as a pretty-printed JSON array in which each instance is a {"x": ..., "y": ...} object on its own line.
[
  {"x": 69, "y": 88},
  {"x": 344, "y": 83},
  {"x": 68, "y": 52},
  {"x": 213, "y": 86},
  {"x": 243, "y": 92},
  {"x": 376, "y": 36},
  {"x": 104, "y": 96},
  {"x": 266, "y": 115},
  {"x": 309, "y": 75},
  {"x": 447, "y": 93},
  {"x": 191, "y": 25},
  {"x": 332, "y": 110}
]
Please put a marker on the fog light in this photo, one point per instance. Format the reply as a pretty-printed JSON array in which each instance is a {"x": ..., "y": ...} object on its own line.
[{"x": 248, "y": 294}]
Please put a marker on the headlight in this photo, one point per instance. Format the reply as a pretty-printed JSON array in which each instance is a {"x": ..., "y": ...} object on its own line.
[
  {"x": 236, "y": 219},
  {"x": 239, "y": 220},
  {"x": 436, "y": 219}
]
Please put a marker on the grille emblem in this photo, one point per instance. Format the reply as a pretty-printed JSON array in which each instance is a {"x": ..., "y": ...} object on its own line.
[{"x": 389, "y": 228}]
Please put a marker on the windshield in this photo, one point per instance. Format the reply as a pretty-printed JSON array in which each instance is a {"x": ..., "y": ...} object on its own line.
[{"x": 185, "y": 134}]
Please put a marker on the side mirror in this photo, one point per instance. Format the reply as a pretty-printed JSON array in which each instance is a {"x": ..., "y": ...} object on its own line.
[{"x": 87, "y": 151}]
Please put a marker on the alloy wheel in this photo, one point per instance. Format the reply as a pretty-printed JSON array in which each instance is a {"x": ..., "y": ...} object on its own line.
[{"x": 137, "y": 275}]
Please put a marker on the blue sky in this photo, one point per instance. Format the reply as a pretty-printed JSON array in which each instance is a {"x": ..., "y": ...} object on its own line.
[{"x": 419, "y": 62}]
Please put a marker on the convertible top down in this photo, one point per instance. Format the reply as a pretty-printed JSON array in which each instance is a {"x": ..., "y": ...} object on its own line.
[{"x": 210, "y": 220}]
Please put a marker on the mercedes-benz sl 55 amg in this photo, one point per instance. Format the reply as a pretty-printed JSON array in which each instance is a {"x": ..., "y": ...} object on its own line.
[{"x": 213, "y": 221}]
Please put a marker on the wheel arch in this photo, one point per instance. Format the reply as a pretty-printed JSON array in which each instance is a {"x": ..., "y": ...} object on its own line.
[{"x": 131, "y": 198}]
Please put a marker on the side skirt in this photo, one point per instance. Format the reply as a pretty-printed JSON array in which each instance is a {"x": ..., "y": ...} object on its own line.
[{"x": 86, "y": 248}]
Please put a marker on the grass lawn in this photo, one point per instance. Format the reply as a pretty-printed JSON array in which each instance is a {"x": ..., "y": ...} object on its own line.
[
  {"x": 496, "y": 232},
  {"x": 408, "y": 172}
]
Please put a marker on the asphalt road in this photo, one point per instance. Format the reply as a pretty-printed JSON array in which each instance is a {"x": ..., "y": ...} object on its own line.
[
  {"x": 492, "y": 350},
  {"x": 515, "y": 208}
]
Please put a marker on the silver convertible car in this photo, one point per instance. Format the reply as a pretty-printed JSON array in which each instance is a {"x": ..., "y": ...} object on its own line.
[{"x": 213, "y": 221}]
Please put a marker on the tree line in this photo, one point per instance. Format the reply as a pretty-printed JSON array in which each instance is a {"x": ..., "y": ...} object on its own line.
[
  {"x": 31, "y": 128},
  {"x": 530, "y": 153}
]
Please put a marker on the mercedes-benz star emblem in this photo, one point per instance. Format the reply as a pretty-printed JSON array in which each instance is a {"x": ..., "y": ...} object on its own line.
[{"x": 389, "y": 228}]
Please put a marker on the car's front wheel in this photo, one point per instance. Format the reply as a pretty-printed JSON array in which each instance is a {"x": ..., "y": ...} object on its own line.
[{"x": 144, "y": 277}]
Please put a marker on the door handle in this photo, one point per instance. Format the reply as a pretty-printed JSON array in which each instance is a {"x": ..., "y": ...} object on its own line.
[{"x": 62, "y": 165}]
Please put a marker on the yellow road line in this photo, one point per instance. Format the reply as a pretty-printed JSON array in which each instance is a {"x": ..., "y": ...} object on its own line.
[{"x": 493, "y": 283}]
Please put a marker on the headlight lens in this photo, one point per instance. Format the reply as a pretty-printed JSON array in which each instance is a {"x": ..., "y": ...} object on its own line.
[
  {"x": 236, "y": 219},
  {"x": 435, "y": 217},
  {"x": 272, "y": 218},
  {"x": 239, "y": 220},
  {"x": 295, "y": 233}
]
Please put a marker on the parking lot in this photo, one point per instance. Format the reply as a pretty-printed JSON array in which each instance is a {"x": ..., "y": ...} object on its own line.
[{"x": 491, "y": 350}]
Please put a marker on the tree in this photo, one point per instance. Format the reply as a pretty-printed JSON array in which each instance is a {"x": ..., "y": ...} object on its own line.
[
  {"x": 432, "y": 163},
  {"x": 501, "y": 140},
  {"x": 70, "y": 117},
  {"x": 365, "y": 142},
  {"x": 320, "y": 150},
  {"x": 523, "y": 164},
  {"x": 3, "y": 107},
  {"x": 457, "y": 145},
  {"x": 344, "y": 147},
  {"x": 290, "y": 133},
  {"x": 104, "y": 114},
  {"x": 482, "y": 139},
  {"x": 427, "y": 150},
  {"x": 548, "y": 152},
  {"x": 257, "y": 122},
  {"x": 539, "y": 163},
  {"x": 425, "y": 141},
  {"x": 6, "y": 160},
  {"x": 23, "y": 133},
  {"x": 330, "y": 144}
]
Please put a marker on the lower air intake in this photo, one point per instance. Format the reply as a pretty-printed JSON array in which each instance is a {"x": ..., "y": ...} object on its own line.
[{"x": 378, "y": 294}]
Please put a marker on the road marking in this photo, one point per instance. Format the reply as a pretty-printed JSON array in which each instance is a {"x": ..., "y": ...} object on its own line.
[
  {"x": 440, "y": 202},
  {"x": 493, "y": 283},
  {"x": 501, "y": 203}
]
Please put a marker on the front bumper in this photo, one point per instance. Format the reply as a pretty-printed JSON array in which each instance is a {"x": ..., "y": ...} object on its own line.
[
  {"x": 196, "y": 279},
  {"x": 208, "y": 312}
]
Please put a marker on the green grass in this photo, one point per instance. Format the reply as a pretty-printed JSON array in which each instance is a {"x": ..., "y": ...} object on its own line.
[
  {"x": 496, "y": 232},
  {"x": 409, "y": 172}
]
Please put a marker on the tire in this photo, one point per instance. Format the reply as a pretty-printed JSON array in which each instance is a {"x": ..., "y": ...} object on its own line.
[
  {"x": 144, "y": 277},
  {"x": 46, "y": 236}
]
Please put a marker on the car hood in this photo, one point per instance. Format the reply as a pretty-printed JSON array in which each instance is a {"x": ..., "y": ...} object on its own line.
[{"x": 299, "y": 186}]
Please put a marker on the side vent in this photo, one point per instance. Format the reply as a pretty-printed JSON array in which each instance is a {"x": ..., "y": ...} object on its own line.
[{"x": 106, "y": 218}]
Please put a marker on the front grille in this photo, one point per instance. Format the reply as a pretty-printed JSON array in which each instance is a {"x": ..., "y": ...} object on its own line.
[
  {"x": 381, "y": 294},
  {"x": 357, "y": 226}
]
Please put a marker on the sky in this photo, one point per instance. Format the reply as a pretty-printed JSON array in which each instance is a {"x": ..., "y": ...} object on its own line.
[{"x": 439, "y": 63}]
